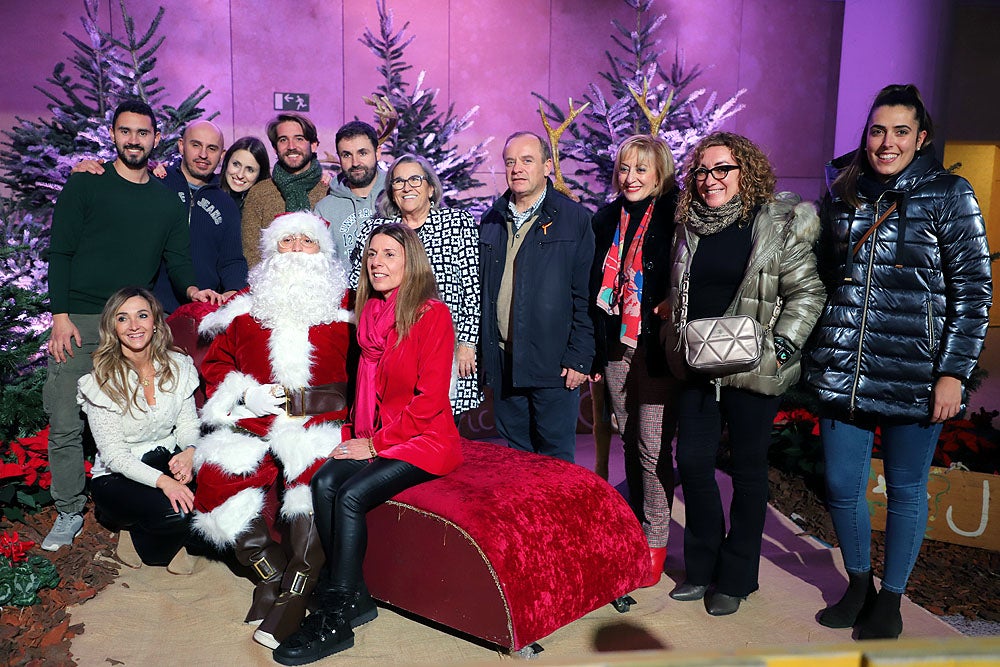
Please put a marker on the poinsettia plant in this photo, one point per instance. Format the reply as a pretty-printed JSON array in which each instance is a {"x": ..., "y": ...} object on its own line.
[
  {"x": 24, "y": 475},
  {"x": 972, "y": 443},
  {"x": 23, "y": 574}
]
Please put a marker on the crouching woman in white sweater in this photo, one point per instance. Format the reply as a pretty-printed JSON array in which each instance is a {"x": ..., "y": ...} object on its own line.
[{"x": 139, "y": 401}]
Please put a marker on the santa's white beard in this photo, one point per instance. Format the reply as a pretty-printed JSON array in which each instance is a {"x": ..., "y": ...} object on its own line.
[{"x": 296, "y": 288}]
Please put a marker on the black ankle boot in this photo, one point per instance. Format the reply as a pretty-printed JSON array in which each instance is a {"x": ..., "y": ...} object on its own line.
[
  {"x": 884, "y": 620},
  {"x": 322, "y": 633},
  {"x": 854, "y": 604}
]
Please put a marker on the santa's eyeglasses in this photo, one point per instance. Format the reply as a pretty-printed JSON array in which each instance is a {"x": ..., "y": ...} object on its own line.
[{"x": 289, "y": 240}]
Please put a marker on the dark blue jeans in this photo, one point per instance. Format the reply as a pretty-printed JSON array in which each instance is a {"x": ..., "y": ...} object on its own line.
[
  {"x": 537, "y": 419},
  {"x": 907, "y": 450}
]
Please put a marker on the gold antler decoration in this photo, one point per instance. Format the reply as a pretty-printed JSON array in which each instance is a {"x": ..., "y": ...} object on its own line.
[
  {"x": 560, "y": 183},
  {"x": 387, "y": 116},
  {"x": 655, "y": 120}
]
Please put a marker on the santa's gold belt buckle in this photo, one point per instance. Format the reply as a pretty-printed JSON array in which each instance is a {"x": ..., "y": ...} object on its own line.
[{"x": 290, "y": 405}]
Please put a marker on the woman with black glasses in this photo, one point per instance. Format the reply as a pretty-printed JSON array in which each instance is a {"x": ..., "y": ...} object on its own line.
[
  {"x": 739, "y": 249},
  {"x": 412, "y": 196}
]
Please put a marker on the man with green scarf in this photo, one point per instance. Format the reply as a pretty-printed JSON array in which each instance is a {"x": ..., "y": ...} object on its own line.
[{"x": 296, "y": 182}]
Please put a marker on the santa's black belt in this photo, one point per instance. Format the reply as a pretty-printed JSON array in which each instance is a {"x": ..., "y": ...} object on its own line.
[{"x": 309, "y": 401}]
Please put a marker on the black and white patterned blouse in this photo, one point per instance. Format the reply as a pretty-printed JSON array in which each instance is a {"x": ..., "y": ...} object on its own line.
[{"x": 451, "y": 240}]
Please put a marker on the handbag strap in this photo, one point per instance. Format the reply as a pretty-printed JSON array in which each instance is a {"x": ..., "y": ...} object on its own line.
[
  {"x": 684, "y": 302},
  {"x": 779, "y": 302},
  {"x": 871, "y": 230}
]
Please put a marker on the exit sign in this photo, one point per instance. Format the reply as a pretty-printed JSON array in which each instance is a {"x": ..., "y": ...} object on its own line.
[{"x": 291, "y": 102}]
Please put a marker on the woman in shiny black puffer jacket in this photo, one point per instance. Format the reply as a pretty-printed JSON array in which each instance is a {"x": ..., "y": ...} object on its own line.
[
  {"x": 911, "y": 305},
  {"x": 904, "y": 256}
]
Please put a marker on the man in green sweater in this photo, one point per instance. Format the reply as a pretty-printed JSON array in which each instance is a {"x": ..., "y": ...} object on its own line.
[{"x": 108, "y": 231}]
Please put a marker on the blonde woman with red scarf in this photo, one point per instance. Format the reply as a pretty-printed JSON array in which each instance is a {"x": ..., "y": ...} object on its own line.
[
  {"x": 403, "y": 427},
  {"x": 630, "y": 275}
]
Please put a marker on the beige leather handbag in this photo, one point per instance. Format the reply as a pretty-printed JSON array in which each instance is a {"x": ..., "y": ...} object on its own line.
[{"x": 720, "y": 346}]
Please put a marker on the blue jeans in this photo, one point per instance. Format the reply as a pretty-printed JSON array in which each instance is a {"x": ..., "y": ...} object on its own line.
[{"x": 907, "y": 450}]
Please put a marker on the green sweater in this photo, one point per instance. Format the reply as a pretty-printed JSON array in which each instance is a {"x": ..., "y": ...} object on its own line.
[{"x": 109, "y": 233}]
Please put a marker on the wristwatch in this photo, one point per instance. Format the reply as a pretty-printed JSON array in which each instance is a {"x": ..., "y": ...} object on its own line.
[{"x": 782, "y": 350}]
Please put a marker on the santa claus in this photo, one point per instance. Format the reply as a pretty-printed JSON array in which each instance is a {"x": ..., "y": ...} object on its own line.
[{"x": 276, "y": 376}]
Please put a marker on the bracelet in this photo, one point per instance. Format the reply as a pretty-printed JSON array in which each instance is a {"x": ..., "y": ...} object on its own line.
[{"x": 371, "y": 449}]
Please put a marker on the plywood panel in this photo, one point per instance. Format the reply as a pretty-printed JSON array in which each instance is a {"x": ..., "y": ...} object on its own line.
[
  {"x": 981, "y": 167},
  {"x": 964, "y": 507}
]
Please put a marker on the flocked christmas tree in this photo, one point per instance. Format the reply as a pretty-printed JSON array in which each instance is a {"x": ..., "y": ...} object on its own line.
[
  {"x": 636, "y": 79},
  {"x": 36, "y": 159},
  {"x": 37, "y": 155},
  {"x": 421, "y": 129},
  {"x": 23, "y": 323}
]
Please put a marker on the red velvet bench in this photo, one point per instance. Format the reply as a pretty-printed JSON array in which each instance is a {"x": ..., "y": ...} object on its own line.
[{"x": 508, "y": 548}]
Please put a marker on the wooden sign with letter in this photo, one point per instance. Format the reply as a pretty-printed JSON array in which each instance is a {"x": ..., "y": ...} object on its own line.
[{"x": 962, "y": 508}]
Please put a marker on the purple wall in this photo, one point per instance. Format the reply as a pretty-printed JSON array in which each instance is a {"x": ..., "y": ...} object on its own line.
[
  {"x": 785, "y": 52},
  {"x": 888, "y": 41}
]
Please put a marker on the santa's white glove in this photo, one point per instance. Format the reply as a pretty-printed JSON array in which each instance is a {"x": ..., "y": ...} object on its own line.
[{"x": 265, "y": 399}]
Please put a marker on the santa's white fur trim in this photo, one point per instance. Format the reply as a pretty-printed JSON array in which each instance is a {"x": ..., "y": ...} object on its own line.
[
  {"x": 215, "y": 323},
  {"x": 297, "y": 447},
  {"x": 291, "y": 355},
  {"x": 344, "y": 316},
  {"x": 301, "y": 222},
  {"x": 222, "y": 409},
  {"x": 297, "y": 501},
  {"x": 231, "y": 519},
  {"x": 235, "y": 453}
]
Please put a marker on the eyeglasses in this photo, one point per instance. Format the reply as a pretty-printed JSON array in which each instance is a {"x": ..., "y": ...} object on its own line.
[
  {"x": 288, "y": 240},
  {"x": 414, "y": 182},
  {"x": 718, "y": 173}
]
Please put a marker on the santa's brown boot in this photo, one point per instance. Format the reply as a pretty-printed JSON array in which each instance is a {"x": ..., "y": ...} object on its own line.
[
  {"x": 301, "y": 575},
  {"x": 266, "y": 562}
]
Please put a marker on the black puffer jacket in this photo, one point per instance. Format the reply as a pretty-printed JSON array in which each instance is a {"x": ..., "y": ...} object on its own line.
[{"x": 911, "y": 305}]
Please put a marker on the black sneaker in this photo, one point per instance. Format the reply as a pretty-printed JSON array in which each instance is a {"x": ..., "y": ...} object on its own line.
[{"x": 322, "y": 633}]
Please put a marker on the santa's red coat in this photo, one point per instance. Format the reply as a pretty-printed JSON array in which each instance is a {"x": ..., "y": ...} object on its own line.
[{"x": 234, "y": 461}]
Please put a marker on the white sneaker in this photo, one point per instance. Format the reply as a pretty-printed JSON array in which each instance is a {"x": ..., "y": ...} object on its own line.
[
  {"x": 65, "y": 529},
  {"x": 266, "y": 639}
]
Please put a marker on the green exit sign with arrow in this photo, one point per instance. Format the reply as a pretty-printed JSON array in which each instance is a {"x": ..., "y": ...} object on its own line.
[{"x": 291, "y": 102}]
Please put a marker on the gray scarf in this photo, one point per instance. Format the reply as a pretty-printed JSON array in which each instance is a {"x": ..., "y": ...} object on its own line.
[{"x": 704, "y": 220}]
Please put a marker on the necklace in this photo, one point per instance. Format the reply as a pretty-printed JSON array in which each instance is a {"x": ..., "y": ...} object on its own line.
[{"x": 145, "y": 379}]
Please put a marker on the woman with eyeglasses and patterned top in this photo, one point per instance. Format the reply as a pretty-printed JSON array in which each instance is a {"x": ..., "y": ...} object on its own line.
[
  {"x": 412, "y": 196},
  {"x": 739, "y": 249},
  {"x": 905, "y": 258}
]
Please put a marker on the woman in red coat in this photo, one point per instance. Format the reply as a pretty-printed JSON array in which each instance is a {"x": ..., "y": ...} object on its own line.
[{"x": 403, "y": 427}]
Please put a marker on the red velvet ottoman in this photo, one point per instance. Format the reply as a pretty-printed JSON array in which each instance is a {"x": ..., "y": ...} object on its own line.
[{"x": 508, "y": 548}]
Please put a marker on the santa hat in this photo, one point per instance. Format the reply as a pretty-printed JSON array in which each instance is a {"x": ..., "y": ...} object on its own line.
[{"x": 300, "y": 222}]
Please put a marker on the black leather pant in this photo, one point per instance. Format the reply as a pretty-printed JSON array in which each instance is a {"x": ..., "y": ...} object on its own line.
[
  {"x": 158, "y": 532},
  {"x": 343, "y": 492}
]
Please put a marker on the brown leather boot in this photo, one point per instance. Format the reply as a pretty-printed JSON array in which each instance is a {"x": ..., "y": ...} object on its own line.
[
  {"x": 301, "y": 575},
  {"x": 256, "y": 550}
]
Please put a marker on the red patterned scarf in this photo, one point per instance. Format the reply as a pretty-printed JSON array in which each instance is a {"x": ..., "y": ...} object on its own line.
[{"x": 621, "y": 286}]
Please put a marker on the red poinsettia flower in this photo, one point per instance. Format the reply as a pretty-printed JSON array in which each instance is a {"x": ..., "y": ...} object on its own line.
[
  {"x": 11, "y": 470},
  {"x": 37, "y": 443},
  {"x": 13, "y": 548}
]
